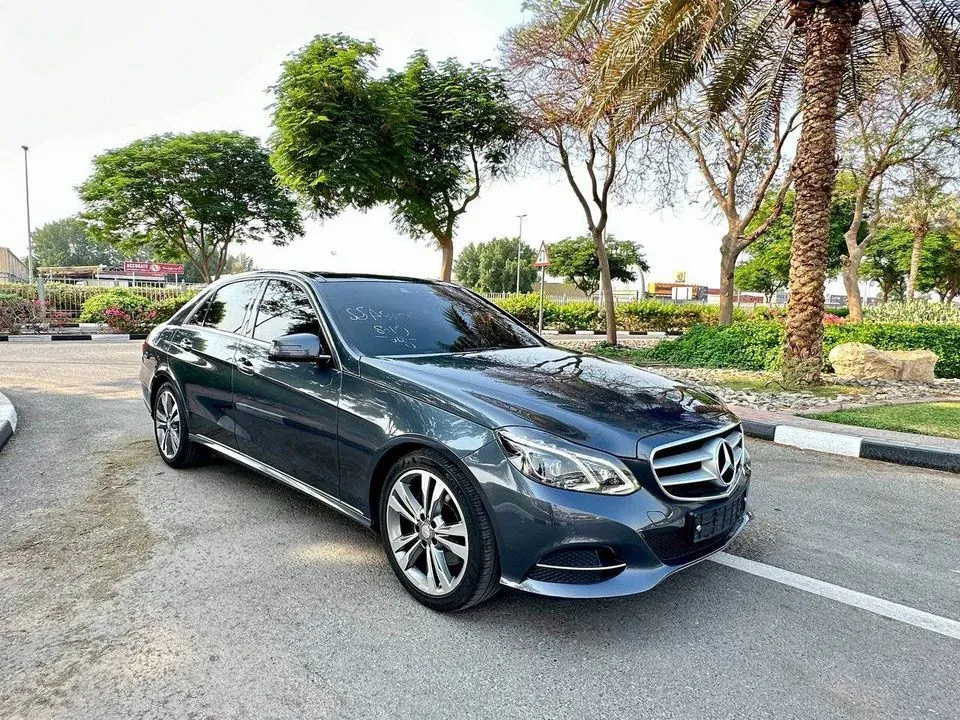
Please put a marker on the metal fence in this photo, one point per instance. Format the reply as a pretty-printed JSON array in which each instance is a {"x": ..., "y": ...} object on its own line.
[{"x": 63, "y": 302}]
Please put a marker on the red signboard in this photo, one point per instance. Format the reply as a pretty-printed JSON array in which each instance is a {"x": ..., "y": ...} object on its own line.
[{"x": 152, "y": 268}]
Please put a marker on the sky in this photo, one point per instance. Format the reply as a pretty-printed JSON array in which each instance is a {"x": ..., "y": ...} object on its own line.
[{"x": 79, "y": 78}]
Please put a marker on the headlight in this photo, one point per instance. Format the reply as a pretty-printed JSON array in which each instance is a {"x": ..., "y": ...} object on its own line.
[{"x": 554, "y": 462}]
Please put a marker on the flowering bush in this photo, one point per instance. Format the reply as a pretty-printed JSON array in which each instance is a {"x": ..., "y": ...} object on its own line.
[
  {"x": 95, "y": 307},
  {"x": 18, "y": 315},
  {"x": 134, "y": 321}
]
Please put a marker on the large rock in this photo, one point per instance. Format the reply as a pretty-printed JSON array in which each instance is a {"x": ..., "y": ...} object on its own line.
[
  {"x": 865, "y": 362},
  {"x": 916, "y": 365}
]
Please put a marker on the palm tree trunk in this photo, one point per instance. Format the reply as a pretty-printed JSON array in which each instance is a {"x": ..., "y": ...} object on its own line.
[
  {"x": 728, "y": 268},
  {"x": 918, "y": 239},
  {"x": 606, "y": 287},
  {"x": 828, "y": 30}
]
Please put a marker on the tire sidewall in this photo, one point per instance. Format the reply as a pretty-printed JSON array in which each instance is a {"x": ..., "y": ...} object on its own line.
[
  {"x": 455, "y": 481},
  {"x": 184, "y": 448}
]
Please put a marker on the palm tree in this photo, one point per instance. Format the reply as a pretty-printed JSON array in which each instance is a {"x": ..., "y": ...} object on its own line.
[
  {"x": 924, "y": 209},
  {"x": 658, "y": 47}
]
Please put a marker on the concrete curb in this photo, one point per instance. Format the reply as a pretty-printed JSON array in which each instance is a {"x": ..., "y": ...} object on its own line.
[
  {"x": 8, "y": 420},
  {"x": 851, "y": 445},
  {"x": 72, "y": 338}
]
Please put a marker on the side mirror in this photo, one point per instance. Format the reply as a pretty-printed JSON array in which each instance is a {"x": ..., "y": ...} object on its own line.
[{"x": 299, "y": 347}]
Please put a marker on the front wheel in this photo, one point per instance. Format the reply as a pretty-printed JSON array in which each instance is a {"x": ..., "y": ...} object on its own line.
[{"x": 437, "y": 534}]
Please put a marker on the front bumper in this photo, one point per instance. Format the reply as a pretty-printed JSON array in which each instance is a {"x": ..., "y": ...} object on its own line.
[{"x": 645, "y": 532}]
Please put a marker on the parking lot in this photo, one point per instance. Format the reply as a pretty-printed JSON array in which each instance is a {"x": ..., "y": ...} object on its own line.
[{"x": 131, "y": 590}]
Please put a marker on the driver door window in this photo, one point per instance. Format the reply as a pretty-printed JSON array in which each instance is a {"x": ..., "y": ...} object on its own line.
[{"x": 284, "y": 310}]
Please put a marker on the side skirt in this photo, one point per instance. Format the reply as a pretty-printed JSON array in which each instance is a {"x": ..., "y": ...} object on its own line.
[{"x": 271, "y": 472}]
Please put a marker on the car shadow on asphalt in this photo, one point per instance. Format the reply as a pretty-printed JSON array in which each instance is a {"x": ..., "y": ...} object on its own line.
[{"x": 681, "y": 600}]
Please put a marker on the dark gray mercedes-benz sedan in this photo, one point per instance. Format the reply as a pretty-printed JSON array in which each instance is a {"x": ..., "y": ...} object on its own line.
[{"x": 482, "y": 454}]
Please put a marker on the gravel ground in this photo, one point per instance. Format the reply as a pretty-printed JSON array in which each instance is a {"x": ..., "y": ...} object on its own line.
[
  {"x": 128, "y": 590},
  {"x": 837, "y": 392}
]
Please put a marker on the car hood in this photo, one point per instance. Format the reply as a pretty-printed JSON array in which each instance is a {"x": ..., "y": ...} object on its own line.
[{"x": 583, "y": 398}]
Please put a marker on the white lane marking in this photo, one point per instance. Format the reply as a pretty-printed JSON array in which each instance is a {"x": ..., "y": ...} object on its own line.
[
  {"x": 817, "y": 440},
  {"x": 892, "y": 610}
]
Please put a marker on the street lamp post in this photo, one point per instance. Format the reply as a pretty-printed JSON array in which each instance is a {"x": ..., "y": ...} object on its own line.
[
  {"x": 26, "y": 182},
  {"x": 519, "y": 246}
]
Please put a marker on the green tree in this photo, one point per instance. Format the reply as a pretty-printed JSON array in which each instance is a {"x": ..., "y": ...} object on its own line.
[
  {"x": 547, "y": 62},
  {"x": 422, "y": 141},
  {"x": 939, "y": 269},
  {"x": 188, "y": 197},
  {"x": 767, "y": 269},
  {"x": 923, "y": 209},
  {"x": 887, "y": 260},
  {"x": 66, "y": 242},
  {"x": 660, "y": 47},
  {"x": 491, "y": 267},
  {"x": 761, "y": 274},
  {"x": 576, "y": 261}
]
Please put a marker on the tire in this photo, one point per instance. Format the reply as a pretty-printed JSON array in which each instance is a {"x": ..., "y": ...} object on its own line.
[
  {"x": 170, "y": 429},
  {"x": 466, "y": 581}
]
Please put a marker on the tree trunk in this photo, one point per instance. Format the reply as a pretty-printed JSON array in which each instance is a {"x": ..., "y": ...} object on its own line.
[
  {"x": 918, "y": 239},
  {"x": 728, "y": 267},
  {"x": 446, "y": 257},
  {"x": 828, "y": 29},
  {"x": 851, "y": 283},
  {"x": 606, "y": 287}
]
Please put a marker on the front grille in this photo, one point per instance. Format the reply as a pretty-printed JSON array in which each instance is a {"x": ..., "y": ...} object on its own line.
[
  {"x": 702, "y": 467},
  {"x": 577, "y": 566}
]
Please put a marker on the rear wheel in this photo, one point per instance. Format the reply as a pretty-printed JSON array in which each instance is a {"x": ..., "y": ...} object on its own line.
[
  {"x": 170, "y": 429},
  {"x": 437, "y": 534}
]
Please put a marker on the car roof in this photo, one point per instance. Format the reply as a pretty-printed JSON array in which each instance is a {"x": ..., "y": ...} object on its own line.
[{"x": 324, "y": 276}]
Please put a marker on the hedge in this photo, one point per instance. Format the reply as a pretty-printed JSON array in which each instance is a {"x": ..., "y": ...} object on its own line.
[
  {"x": 635, "y": 316},
  {"x": 758, "y": 345}
]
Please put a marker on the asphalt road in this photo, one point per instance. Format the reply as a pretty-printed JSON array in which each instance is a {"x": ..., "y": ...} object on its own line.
[{"x": 129, "y": 590}]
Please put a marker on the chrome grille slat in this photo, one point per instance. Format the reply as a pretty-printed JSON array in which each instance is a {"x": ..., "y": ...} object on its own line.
[
  {"x": 690, "y": 469},
  {"x": 686, "y": 458},
  {"x": 685, "y": 478}
]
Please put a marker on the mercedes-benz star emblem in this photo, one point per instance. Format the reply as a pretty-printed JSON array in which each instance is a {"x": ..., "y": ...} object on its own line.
[{"x": 726, "y": 468}]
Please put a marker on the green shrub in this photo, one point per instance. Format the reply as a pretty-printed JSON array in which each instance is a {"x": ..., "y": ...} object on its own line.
[
  {"x": 755, "y": 345},
  {"x": 165, "y": 309},
  {"x": 944, "y": 340},
  {"x": 578, "y": 316},
  {"x": 646, "y": 315},
  {"x": 839, "y": 312},
  {"x": 758, "y": 344},
  {"x": 95, "y": 307},
  {"x": 925, "y": 313},
  {"x": 526, "y": 308}
]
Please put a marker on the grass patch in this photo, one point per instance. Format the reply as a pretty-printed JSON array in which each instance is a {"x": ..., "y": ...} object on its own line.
[{"x": 941, "y": 418}]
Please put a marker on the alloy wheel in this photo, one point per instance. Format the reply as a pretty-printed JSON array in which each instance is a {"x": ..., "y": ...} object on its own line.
[
  {"x": 167, "y": 423},
  {"x": 426, "y": 532}
]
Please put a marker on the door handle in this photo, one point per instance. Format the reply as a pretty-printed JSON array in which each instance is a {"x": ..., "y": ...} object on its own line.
[
  {"x": 244, "y": 366},
  {"x": 186, "y": 344}
]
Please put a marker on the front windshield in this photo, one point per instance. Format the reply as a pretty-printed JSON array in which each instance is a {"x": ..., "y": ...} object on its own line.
[{"x": 391, "y": 317}]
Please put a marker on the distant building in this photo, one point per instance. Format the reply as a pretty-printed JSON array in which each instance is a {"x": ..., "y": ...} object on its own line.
[
  {"x": 12, "y": 268},
  {"x": 96, "y": 275}
]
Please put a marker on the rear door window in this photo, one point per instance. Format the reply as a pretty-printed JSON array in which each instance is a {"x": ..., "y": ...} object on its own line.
[{"x": 229, "y": 306}]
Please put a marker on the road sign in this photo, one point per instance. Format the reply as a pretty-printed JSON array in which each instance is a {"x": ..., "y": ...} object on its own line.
[
  {"x": 152, "y": 268},
  {"x": 543, "y": 260}
]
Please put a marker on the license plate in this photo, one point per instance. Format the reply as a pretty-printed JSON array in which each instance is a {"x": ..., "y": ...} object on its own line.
[{"x": 718, "y": 520}]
